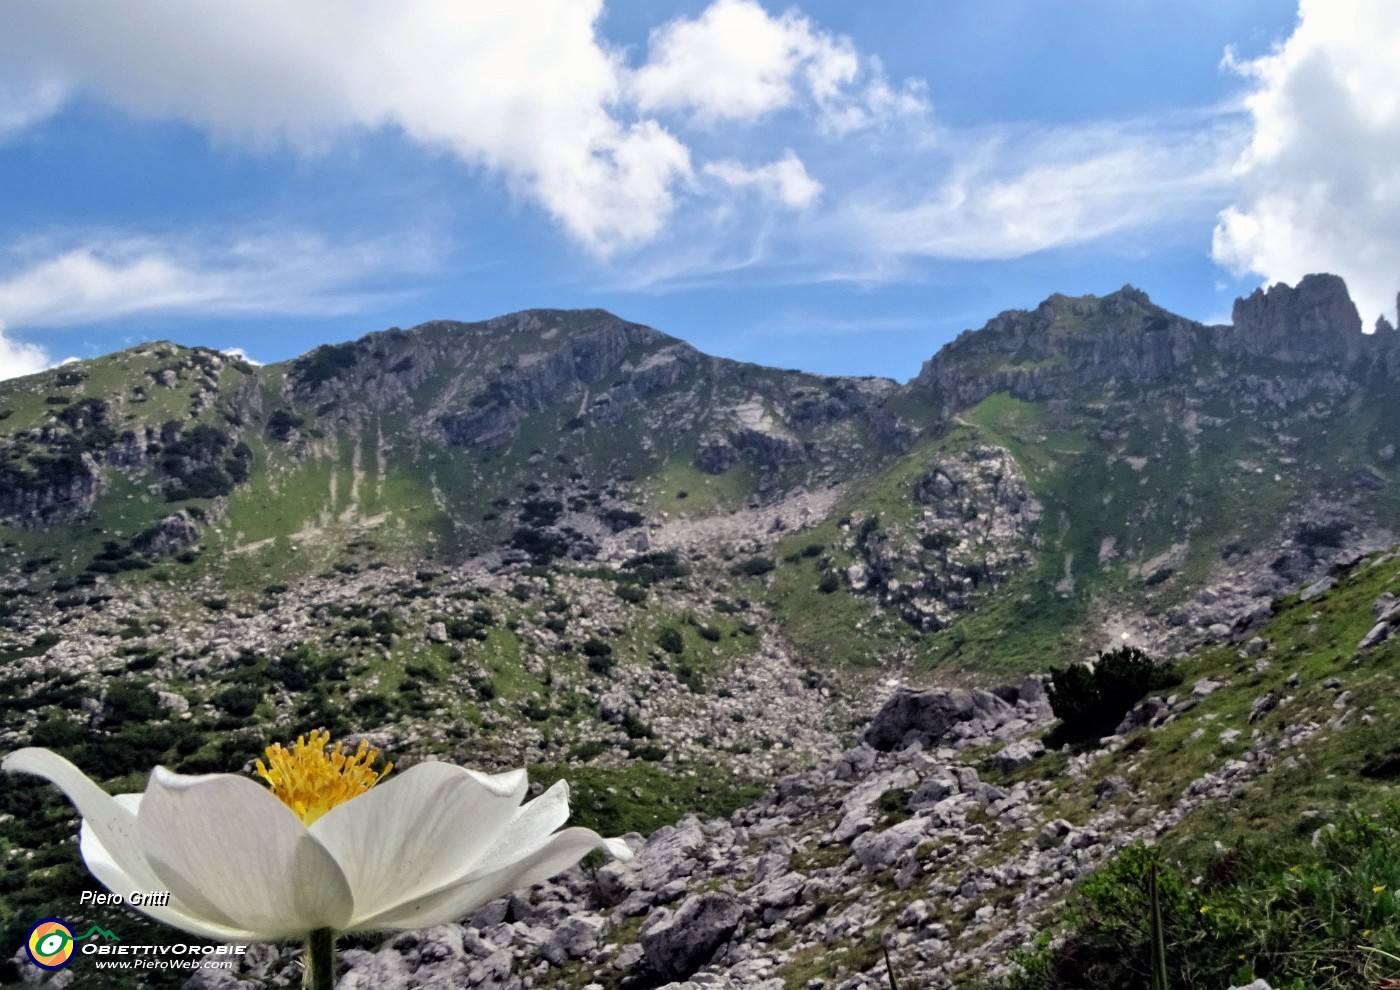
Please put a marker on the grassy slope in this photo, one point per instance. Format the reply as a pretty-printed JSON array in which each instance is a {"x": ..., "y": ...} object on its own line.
[
  {"x": 1138, "y": 484},
  {"x": 1258, "y": 848}
]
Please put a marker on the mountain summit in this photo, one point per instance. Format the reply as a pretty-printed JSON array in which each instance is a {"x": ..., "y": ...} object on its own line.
[
  {"x": 565, "y": 540},
  {"x": 1089, "y": 448}
]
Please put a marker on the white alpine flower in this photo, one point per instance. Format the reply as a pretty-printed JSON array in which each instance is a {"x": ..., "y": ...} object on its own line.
[{"x": 323, "y": 848}]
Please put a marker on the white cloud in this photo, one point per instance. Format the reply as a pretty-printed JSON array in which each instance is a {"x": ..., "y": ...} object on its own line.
[
  {"x": 1006, "y": 194},
  {"x": 1319, "y": 184},
  {"x": 533, "y": 96},
  {"x": 19, "y": 358},
  {"x": 785, "y": 179},
  {"x": 528, "y": 91},
  {"x": 735, "y": 61},
  {"x": 524, "y": 89},
  {"x": 242, "y": 355},
  {"x": 51, "y": 284},
  {"x": 25, "y": 103},
  {"x": 992, "y": 194}
]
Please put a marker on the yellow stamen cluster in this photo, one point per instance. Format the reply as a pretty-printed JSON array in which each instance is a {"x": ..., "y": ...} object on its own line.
[{"x": 311, "y": 780}]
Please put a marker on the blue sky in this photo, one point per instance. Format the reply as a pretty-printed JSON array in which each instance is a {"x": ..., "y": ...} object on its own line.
[{"x": 830, "y": 186}]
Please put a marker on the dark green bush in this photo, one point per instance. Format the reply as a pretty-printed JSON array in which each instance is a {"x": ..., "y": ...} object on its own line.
[
  {"x": 937, "y": 541},
  {"x": 282, "y": 423},
  {"x": 650, "y": 752},
  {"x": 324, "y": 363},
  {"x": 584, "y": 752},
  {"x": 691, "y": 678},
  {"x": 370, "y": 707},
  {"x": 1090, "y": 702},
  {"x": 753, "y": 567},
  {"x": 240, "y": 700},
  {"x": 209, "y": 481},
  {"x": 595, "y": 647},
  {"x": 619, "y": 519},
  {"x": 128, "y": 701},
  {"x": 670, "y": 640}
]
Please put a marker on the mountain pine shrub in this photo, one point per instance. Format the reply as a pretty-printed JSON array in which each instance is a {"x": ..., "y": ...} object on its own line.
[{"x": 1090, "y": 701}]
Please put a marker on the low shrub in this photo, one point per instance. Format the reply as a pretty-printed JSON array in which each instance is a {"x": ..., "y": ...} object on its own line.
[{"x": 1091, "y": 701}]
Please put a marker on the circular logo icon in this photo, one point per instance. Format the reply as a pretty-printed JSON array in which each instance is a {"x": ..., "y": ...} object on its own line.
[{"x": 50, "y": 944}]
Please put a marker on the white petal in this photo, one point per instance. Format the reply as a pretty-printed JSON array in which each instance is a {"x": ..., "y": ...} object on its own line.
[
  {"x": 113, "y": 824},
  {"x": 108, "y": 839},
  {"x": 561, "y": 851},
  {"x": 418, "y": 831},
  {"x": 238, "y": 856},
  {"x": 531, "y": 827},
  {"x": 174, "y": 914}
]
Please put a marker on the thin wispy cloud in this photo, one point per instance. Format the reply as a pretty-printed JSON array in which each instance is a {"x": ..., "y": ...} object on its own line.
[
  {"x": 91, "y": 276},
  {"x": 993, "y": 193},
  {"x": 1008, "y": 192},
  {"x": 88, "y": 277},
  {"x": 26, "y": 102}
]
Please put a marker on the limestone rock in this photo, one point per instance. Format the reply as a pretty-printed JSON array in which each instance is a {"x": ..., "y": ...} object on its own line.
[
  {"x": 932, "y": 716},
  {"x": 676, "y": 944}
]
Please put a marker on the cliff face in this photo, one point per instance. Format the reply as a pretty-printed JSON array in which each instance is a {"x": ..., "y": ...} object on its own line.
[
  {"x": 1063, "y": 344},
  {"x": 614, "y": 387},
  {"x": 1073, "y": 343},
  {"x": 1316, "y": 322}
]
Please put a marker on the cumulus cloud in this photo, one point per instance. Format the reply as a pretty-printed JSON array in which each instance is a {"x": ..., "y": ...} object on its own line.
[
  {"x": 19, "y": 358},
  {"x": 735, "y": 61},
  {"x": 242, "y": 355},
  {"x": 104, "y": 276},
  {"x": 528, "y": 91},
  {"x": 1318, "y": 186},
  {"x": 785, "y": 179},
  {"x": 523, "y": 89},
  {"x": 530, "y": 94}
]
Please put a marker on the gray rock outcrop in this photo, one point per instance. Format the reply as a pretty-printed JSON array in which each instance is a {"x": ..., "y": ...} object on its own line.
[{"x": 933, "y": 716}]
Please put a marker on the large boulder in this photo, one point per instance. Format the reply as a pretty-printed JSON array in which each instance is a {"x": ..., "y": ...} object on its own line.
[
  {"x": 678, "y": 943},
  {"x": 878, "y": 851},
  {"x": 572, "y": 939},
  {"x": 1019, "y": 753},
  {"x": 934, "y": 716},
  {"x": 171, "y": 534}
]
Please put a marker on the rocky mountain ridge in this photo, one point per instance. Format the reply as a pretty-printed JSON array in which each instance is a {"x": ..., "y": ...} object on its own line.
[{"x": 561, "y": 539}]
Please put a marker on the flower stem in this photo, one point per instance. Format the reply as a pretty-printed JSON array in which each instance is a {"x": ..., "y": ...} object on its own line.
[{"x": 320, "y": 960}]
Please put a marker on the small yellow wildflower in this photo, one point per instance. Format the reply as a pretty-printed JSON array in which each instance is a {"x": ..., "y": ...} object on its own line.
[
  {"x": 1378, "y": 888},
  {"x": 1294, "y": 869},
  {"x": 1205, "y": 909}
]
